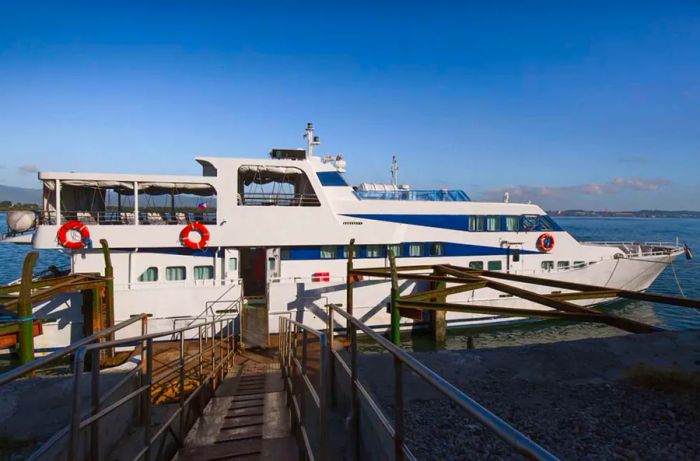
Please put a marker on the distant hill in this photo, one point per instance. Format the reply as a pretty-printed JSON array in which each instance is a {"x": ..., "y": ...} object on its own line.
[{"x": 19, "y": 194}]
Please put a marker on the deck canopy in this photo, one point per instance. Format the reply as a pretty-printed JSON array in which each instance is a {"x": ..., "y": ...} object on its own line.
[{"x": 127, "y": 188}]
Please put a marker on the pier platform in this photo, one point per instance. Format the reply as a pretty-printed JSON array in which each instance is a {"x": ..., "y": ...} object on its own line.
[{"x": 247, "y": 419}]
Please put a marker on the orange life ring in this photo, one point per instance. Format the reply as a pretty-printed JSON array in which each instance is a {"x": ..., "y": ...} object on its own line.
[
  {"x": 545, "y": 242},
  {"x": 73, "y": 244},
  {"x": 198, "y": 227}
]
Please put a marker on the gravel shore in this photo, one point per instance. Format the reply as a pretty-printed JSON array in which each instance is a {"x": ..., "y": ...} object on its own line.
[{"x": 634, "y": 397}]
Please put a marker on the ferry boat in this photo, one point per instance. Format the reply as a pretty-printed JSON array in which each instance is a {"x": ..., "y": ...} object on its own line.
[{"x": 272, "y": 234}]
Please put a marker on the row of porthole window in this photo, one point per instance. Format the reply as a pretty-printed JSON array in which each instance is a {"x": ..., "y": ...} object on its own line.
[
  {"x": 177, "y": 273},
  {"x": 411, "y": 250},
  {"x": 562, "y": 265}
]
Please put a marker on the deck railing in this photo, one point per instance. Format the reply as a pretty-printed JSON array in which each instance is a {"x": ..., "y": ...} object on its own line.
[
  {"x": 113, "y": 217},
  {"x": 272, "y": 199}
]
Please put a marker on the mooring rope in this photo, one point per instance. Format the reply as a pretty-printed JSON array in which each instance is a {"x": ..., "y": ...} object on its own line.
[{"x": 675, "y": 276}]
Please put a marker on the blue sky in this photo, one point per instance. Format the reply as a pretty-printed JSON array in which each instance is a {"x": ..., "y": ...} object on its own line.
[{"x": 567, "y": 104}]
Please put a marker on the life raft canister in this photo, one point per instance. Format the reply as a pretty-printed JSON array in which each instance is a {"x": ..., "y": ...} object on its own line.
[
  {"x": 198, "y": 227},
  {"x": 74, "y": 244},
  {"x": 545, "y": 242}
]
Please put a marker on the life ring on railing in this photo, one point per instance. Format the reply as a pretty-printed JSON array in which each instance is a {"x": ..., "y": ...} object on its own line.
[
  {"x": 74, "y": 244},
  {"x": 545, "y": 242},
  {"x": 198, "y": 227}
]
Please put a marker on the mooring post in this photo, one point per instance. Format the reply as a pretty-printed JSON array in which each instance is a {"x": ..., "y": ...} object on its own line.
[
  {"x": 109, "y": 294},
  {"x": 395, "y": 314},
  {"x": 438, "y": 318},
  {"x": 25, "y": 319},
  {"x": 350, "y": 278}
]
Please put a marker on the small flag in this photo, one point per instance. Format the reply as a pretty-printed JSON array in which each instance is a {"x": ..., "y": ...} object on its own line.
[{"x": 202, "y": 205}]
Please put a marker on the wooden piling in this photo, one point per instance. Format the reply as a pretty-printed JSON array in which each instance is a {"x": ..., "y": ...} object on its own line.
[
  {"x": 350, "y": 278},
  {"x": 438, "y": 318},
  {"x": 25, "y": 318},
  {"x": 108, "y": 292},
  {"x": 395, "y": 314}
]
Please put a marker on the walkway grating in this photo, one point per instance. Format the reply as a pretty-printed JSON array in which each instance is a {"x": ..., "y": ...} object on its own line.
[{"x": 247, "y": 419}]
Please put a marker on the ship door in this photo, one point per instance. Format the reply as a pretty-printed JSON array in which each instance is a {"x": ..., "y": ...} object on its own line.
[
  {"x": 253, "y": 273},
  {"x": 514, "y": 257}
]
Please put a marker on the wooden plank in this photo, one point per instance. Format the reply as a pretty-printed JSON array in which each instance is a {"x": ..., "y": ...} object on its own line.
[
  {"x": 426, "y": 295},
  {"x": 619, "y": 322}
]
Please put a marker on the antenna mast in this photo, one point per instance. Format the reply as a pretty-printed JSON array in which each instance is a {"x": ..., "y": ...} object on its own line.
[
  {"x": 394, "y": 171},
  {"x": 311, "y": 140}
]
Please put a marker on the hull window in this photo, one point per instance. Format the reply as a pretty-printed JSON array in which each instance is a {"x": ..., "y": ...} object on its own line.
[
  {"x": 478, "y": 265},
  {"x": 328, "y": 252},
  {"x": 374, "y": 251},
  {"x": 175, "y": 273},
  {"x": 415, "y": 250},
  {"x": 436, "y": 249},
  {"x": 495, "y": 265},
  {"x": 149, "y": 275},
  {"x": 396, "y": 249},
  {"x": 548, "y": 265},
  {"x": 562, "y": 264},
  {"x": 203, "y": 272}
]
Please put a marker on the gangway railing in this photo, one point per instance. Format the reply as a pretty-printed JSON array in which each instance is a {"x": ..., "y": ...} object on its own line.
[
  {"x": 297, "y": 374},
  {"x": 298, "y": 383},
  {"x": 207, "y": 367}
]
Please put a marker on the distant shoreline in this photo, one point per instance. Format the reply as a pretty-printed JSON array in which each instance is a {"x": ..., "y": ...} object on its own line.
[{"x": 624, "y": 214}]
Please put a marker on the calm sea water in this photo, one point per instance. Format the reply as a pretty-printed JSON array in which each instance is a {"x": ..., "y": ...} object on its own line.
[{"x": 642, "y": 229}]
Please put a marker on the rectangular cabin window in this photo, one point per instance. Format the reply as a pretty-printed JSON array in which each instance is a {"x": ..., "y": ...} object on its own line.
[
  {"x": 495, "y": 265},
  {"x": 374, "y": 251},
  {"x": 233, "y": 264},
  {"x": 149, "y": 275},
  {"x": 396, "y": 249},
  {"x": 271, "y": 263},
  {"x": 493, "y": 223},
  {"x": 355, "y": 251},
  {"x": 265, "y": 185},
  {"x": 203, "y": 272},
  {"x": 562, "y": 265},
  {"x": 174, "y": 273},
  {"x": 415, "y": 250},
  {"x": 512, "y": 223},
  {"x": 579, "y": 264},
  {"x": 436, "y": 249},
  {"x": 547, "y": 265},
  {"x": 478, "y": 265},
  {"x": 329, "y": 252},
  {"x": 285, "y": 254},
  {"x": 516, "y": 254},
  {"x": 476, "y": 223}
]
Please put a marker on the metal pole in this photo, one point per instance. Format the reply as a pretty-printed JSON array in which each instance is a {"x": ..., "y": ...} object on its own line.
[
  {"x": 95, "y": 397},
  {"x": 182, "y": 388},
  {"x": 398, "y": 410},
  {"x": 199, "y": 335},
  {"x": 78, "y": 366},
  {"x": 330, "y": 359},
  {"x": 25, "y": 319},
  {"x": 354, "y": 398},
  {"x": 324, "y": 371},
  {"x": 302, "y": 381},
  {"x": 146, "y": 409}
]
